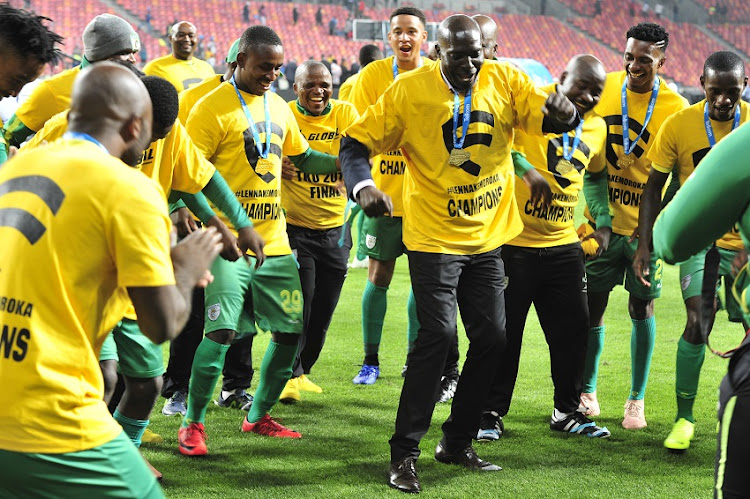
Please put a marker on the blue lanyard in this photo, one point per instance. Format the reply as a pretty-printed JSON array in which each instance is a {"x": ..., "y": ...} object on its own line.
[
  {"x": 256, "y": 136},
  {"x": 626, "y": 145},
  {"x": 568, "y": 152},
  {"x": 459, "y": 143},
  {"x": 86, "y": 137},
  {"x": 709, "y": 128},
  {"x": 395, "y": 66}
]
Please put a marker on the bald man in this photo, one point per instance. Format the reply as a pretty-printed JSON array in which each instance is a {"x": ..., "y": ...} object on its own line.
[
  {"x": 57, "y": 432},
  {"x": 459, "y": 210},
  {"x": 181, "y": 68},
  {"x": 545, "y": 263},
  {"x": 489, "y": 35}
]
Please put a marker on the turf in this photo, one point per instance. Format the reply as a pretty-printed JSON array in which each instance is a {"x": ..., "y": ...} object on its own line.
[{"x": 344, "y": 449}]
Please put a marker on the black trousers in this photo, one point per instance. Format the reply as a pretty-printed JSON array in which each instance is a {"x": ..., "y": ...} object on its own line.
[
  {"x": 238, "y": 366},
  {"x": 322, "y": 270},
  {"x": 554, "y": 280},
  {"x": 442, "y": 285}
]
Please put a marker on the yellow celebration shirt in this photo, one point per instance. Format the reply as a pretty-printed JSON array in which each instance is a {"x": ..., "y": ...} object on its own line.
[
  {"x": 682, "y": 142},
  {"x": 345, "y": 90},
  {"x": 189, "y": 97},
  {"x": 553, "y": 226},
  {"x": 70, "y": 254},
  {"x": 181, "y": 74},
  {"x": 626, "y": 183},
  {"x": 50, "y": 97},
  {"x": 466, "y": 209},
  {"x": 174, "y": 161},
  {"x": 387, "y": 168},
  {"x": 316, "y": 201},
  {"x": 219, "y": 127}
]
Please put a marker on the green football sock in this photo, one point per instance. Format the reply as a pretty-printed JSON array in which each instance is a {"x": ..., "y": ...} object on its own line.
[
  {"x": 413, "y": 324},
  {"x": 275, "y": 371},
  {"x": 361, "y": 219},
  {"x": 642, "y": 340},
  {"x": 688, "y": 370},
  {"x": 593, "y": 352},
  {"x": 374, "y": 304},
  {"x": 133, "y": 428},
  {"x": 207, "y": 365}
]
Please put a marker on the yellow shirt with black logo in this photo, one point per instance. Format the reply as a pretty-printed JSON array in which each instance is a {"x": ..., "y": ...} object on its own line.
[
  {"x": 682, "y": 143},
  {"x": 68, "y": 262},
  {"x": 346, "y": 88},
  {"x": 466, "y": 209},
  {"x": 181, "y": 74},
  {"x": 315, "y": 201},
  {"x": 50, "y": 97},
  {"x": 553, "y": 226},
  {"x": 387, "y": 168},
  {"x": 174, "y": 161},
  {"x": 626, "y": 184},
  {"x": 189, "y": 97},
  {"x": 219, "y": 127}
]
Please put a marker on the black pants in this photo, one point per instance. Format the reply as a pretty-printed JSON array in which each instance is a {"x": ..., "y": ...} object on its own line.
[
  {"x": 322, "y": 270},
  {"x": 554, "y": 280},
  {"x": 238, "y": 366},
  {"x": 442, "y": 285}
]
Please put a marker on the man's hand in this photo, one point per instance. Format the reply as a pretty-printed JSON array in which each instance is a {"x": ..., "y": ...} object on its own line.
[
  {"x": 288, "y": 170},
  {"x": 231, "y": 250},
  {"x": 183, "y": 221},
  {"x": 559, "y": 108},
  {"x": 374, "y": 202},
  {"x": 641, "y": 260},
  {"x": 538, "y": 186},
  {"x": 250, "y": 240},
  {"x": 192, "y": 257},
  {"x": 601, "y": 236}
]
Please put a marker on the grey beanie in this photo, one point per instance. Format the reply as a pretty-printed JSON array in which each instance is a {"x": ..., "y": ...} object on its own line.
[{"x": 107, "y": 35}]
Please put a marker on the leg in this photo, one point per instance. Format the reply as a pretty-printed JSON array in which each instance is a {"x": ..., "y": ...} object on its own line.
[
  {"x": 108, "y": 364},
  {"x": 182, "y": 349},
  {"x": 238, "y": 374},
  {"x": 306, "y": 245},
  {"x": 374, "y": 306}
]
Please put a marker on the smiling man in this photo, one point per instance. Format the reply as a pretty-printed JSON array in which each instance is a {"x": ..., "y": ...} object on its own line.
[
  {"x": 180, "y": 67},
  {"x": 682, "y": 142},
  {"x": 634, "y": 104},
  {"x": 454, "y": 124}
]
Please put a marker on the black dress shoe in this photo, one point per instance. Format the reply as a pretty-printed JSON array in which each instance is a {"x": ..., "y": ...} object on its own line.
[
  {"x": 403, "y": 476},
  {"x": 467, "y": 458}
]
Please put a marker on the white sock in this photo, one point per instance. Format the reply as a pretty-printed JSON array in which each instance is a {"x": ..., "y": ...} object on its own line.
[
  {"x": 558, "y": 415},
  {"x": 225, "y": 394}
]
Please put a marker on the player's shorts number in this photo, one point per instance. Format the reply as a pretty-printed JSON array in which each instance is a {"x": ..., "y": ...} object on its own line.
[
  {"x": 659, "y": 269},
  {"x": 291, "y": 301}
]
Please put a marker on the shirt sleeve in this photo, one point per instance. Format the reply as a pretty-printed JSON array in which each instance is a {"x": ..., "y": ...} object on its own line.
[
  {"x": 192, "y": 171},
  {"x": 294, "y": 142},
  {"x": 663, "y": 154},
  {"x": 381, "y": 127},
  {"x": 528, "y": 100}
]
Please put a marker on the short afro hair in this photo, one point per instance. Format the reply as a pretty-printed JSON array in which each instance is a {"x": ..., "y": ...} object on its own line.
[
  {"x": 724, "y": 61},
  {"x": 409, "y": 11},
  {"x": 650, "y": 32},
  {"x": 164, "y": 100},
  {"x": 369, "y": 53},
  {"x": 27, "y": 35},
  {"x": 258, "y": 35}
]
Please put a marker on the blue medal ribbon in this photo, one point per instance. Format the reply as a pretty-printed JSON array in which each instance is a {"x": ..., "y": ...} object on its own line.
[
  {"x": 395, "y": 66},
  {"x": 458, "y": 143},
  {"x": 86, "y": 137},
  {"x": 626, "y": 145},
  {"x": 567, "y": 150},
  {"x": 256, "y": 136},
  {"x": 709, "y": 128}
]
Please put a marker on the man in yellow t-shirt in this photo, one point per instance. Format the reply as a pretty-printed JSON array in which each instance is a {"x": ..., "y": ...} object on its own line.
[
  {"x": 314, "y": 206},
  {"x": 682, "y": 142},
  {"x": 245, "y": 130},
  {"x": 106, "y": 37},
  {"x": 545, "y": 263},
  {"x": 181, "y": 68},
  {"x": 634, "y": 104},
  {"x": 459, "y": 209},
  {"x": 67, "y": 220}
]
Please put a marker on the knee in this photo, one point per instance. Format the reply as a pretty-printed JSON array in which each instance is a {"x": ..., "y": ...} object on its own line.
[
  {"x": 109, "y": 374},
  {"x": 222, "y": 336},
  {"x": 640, "y": 309},
  {"x": 285, "y": 338},
  {"x": 144, "y": 387}
]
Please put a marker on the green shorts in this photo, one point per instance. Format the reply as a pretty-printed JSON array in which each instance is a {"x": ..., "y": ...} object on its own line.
[
  {"x": 691, "y": 280},
  {"x": 608, "y": 271},
  {"x": 381, "y": 238},
  {"x": 115, "y": 469},
  {"x": 274, "y": 302},
  {"x": 137, "y": 356}
]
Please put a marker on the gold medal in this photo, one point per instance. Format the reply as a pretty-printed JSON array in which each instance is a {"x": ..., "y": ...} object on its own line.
[
  {"x": 625, "y": 161},
  {"x": 459, "y": 157},
  {"x": 263, "y": 166},
  {"x": 564, "y": 166}
]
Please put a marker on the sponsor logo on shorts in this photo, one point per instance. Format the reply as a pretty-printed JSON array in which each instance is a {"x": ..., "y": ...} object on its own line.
[
  {"x": 370, "y": 241},
  {"x": 685, "y": 281},
  {"x": 214, "y": 311},
  {"x": 504, "y": 283}
]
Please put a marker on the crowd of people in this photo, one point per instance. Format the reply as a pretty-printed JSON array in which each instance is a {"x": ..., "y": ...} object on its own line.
[{"x": 178, "y": 204}]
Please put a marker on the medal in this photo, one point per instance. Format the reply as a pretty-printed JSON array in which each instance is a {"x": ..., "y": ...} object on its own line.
[
  {"x": 263, "y": 162},
  {"x": 625, "y": 161},
  {"x": 564, "y": 166},
  {"x": 628, "y": 147},
  {"x": 263, "y": 166},
  {"x": 459, "y": 157}
]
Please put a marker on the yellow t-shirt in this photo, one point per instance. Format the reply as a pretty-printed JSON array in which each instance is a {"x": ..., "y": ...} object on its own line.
[
  {"x": 626, "y": 184},
  {"x": 219, "y": 128},
  {"x": 189, "y": 97},
  {"x": 174, "y": 161},
  {"x": 346, "y": 88},
  {"x": 181, "y": 74},
  {"x": 682, "y": 143},
  {"x": 553, "y": 226},
  {"x": 77, "y": 252},
  {"x": 462, "y": 210},
  {"x": 50, "y": 97},
  {"x": 387, "y": 168},
  {"x": 314, "y": 201}
]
